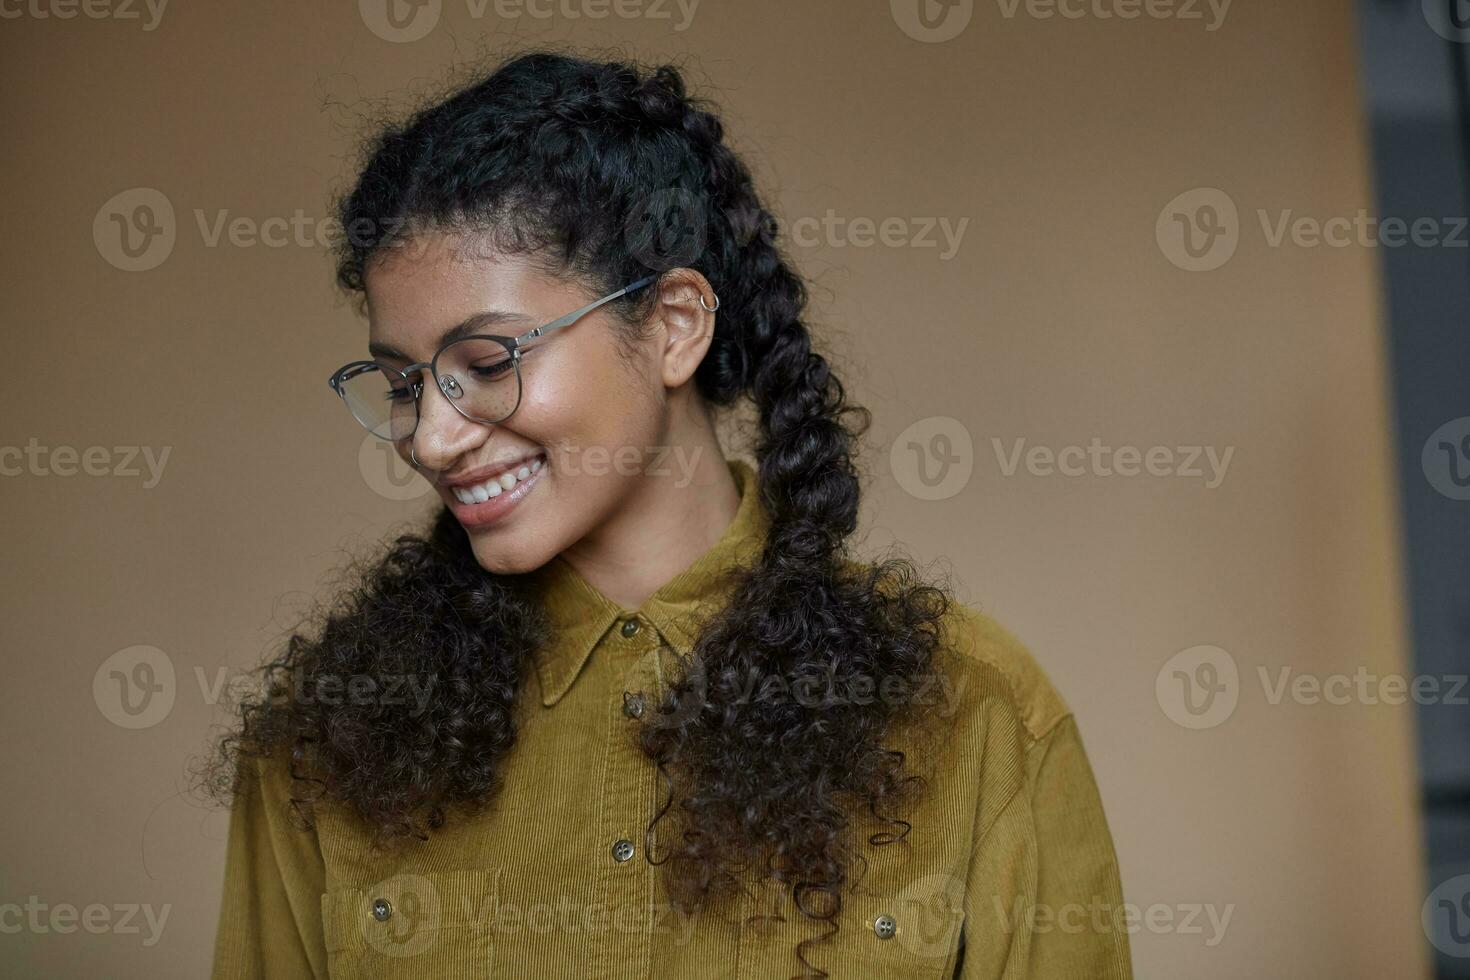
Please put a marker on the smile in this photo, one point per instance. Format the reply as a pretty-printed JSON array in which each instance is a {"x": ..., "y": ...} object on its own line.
[{"x": 496, "y": 485}]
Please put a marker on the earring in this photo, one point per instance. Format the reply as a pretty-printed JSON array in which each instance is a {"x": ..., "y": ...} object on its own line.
[{"x": 710, "y": 309}]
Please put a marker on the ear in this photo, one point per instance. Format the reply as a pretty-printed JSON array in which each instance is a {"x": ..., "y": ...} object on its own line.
[{"x": 688, "y": 327}]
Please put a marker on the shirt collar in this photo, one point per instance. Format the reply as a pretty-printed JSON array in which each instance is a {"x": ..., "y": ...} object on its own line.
[{"x": 580, "y": 615}]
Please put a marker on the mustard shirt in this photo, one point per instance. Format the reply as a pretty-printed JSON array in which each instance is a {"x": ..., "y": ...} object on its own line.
[{"x": 1009, "y": 869}]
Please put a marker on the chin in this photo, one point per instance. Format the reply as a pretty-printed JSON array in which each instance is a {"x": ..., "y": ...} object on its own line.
[{"x": 500, "y": 555}]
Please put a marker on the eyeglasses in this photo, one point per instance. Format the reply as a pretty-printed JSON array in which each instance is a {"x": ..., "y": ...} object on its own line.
[{"x": 480, "y": 376}]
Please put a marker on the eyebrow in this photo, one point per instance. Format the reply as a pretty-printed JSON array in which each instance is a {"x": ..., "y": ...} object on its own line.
[{"x": 466, "y": 327}]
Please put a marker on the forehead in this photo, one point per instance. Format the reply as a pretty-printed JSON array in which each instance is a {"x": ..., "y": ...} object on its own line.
[{"x": 436, "y": 278}]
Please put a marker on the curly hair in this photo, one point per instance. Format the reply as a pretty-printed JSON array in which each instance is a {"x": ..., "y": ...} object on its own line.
[{"x": 607, "y": 170}]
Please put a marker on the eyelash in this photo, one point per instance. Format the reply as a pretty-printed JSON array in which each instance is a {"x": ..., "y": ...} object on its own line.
[{"x": 400, "y": 394}]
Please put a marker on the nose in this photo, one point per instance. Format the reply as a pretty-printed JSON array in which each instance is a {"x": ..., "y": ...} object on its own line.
[{"x": 443, "y": 434}]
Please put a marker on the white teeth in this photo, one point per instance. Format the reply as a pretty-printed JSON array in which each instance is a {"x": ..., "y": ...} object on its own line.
[{"x": 495, "y": 486}]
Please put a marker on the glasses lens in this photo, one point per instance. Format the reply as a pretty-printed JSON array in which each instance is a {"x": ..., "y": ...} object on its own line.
[
  {"x": 382, "y": 400},
  {"x": 480, "y": 378}
]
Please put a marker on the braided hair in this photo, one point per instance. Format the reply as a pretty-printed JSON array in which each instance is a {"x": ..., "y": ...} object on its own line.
[{"x": 610, "y": 170}]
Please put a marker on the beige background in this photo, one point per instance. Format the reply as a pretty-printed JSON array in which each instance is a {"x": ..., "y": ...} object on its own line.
[{"x": 1060, "y": 318}]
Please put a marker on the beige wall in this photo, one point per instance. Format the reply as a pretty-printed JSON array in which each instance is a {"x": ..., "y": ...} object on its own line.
[{"x": 1058, "y": 319}]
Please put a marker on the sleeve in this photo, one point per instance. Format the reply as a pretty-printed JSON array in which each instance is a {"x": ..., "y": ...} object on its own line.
[
  {"x": 1048, "y": 870},
  {"x": 270, "y": 922}
]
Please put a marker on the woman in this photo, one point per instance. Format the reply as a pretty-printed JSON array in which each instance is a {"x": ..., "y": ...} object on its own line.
[{"x": 628, "y": 708}]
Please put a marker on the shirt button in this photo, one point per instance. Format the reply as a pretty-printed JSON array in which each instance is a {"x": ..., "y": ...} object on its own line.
[
  {"x": 630, "y": 626},
  {"x": 622, "y": 851},
  {"x": 382, "y": 910},
  {"x": 884, "y": 927},
  {"x": 633, "y": 705}
]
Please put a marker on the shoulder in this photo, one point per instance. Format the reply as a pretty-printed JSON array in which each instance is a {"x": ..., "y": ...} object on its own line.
[
  {"x": 1000, "y": 674},
  {"x": 267, "y": 788},
  {"x": 991, "y": 719},
  {"x": 983, "y": 672}
]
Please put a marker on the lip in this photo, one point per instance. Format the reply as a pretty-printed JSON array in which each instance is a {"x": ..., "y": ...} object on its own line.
[{"x": 492, "y": 510}]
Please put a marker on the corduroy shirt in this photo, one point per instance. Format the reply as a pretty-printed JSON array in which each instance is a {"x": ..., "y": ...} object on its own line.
[{"x": 1008, "y": 871}]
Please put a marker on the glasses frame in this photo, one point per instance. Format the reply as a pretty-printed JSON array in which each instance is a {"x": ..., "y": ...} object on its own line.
[{"x": 413, "y": 373}]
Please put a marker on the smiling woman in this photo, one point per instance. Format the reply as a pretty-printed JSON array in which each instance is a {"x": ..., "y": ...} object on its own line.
[{"x": 669, "y": 726}]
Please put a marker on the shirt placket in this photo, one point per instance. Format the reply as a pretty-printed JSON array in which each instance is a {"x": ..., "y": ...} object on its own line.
[{"x": 625, "y": 879}]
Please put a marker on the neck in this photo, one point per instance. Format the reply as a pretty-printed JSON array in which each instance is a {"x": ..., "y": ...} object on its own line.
[{"x": 681, "y": 505}]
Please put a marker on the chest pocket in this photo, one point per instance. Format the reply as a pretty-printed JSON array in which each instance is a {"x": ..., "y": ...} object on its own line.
[
  {"x": 414, "y": 926},
  {"x": 891, "y": 926}
]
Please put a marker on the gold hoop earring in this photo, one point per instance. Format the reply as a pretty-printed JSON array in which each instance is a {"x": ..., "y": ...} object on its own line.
[{"x": 709, "y": 309}]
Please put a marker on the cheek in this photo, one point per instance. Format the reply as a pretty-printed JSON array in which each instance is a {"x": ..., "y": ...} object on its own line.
[{"x": 598, "y": 421}]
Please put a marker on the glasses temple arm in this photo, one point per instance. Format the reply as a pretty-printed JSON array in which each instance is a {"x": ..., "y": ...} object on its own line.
[{"x": 574, "y": 316}]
